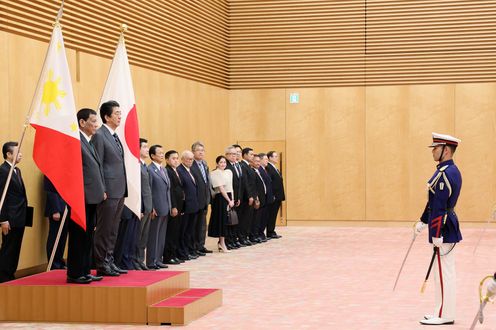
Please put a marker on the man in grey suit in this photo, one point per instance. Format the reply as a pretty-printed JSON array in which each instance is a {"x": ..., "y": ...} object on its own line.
[
  {"x": 80, "y": 241},
  {"x": 111, "y": 153},
  {"x": 199, "y": 169},
  {"x": 146, "y": 208},
  {"x": 160, "y": 184}
]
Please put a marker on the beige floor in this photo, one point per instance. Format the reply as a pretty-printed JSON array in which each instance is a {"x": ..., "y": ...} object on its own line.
[{"x": 329, "y": 278}]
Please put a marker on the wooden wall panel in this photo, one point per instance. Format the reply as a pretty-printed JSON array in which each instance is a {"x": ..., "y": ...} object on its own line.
[
  {"x": 325, "y": 155},
  {"x": 296, "y": 43},
  {"x": 398, "y": 163},
  {"x": 308, "y": 43},
  {"x": 184, "y": 38},
  {"x": 257, "y": 114},
  {"x": 172, "y": 111},
  {"x": 475, "y": 122}
]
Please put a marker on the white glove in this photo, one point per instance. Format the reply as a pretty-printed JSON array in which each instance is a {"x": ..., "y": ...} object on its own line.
[
  {"x": 437, "y": 241},
  {"x": 419, "y": 226},
  {"x": 491, "y": 288}
]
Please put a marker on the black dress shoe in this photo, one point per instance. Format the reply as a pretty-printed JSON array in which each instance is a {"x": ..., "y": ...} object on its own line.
[
  {"x": 201, "y": 254},
  {"x": 205, "y": 250},
  {"x": 183, "y": 258},
  {"x": 238, "y": 244},
  {"x": 192, "y": 256},
  {"x": 274, "y": 235},
  {"x": 253, "y": 241},
  {"x": 178, "y": 260},
  {"x": 246, "y": 242},
  {"x": 142, "y": 266},
  {"x": 161, "y": 265},
  {"x": 94, "y": 278},
  {"x": 106, "y": 271},
  {"x": 152, "y": 267},
  {"x": 137, "y": 266},
  {"x": 117, "y": 269},
  {"x": 79, "y": 280},
  {"x": 172, "y": 262}
]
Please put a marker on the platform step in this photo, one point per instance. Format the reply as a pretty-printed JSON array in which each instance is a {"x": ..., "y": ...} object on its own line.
[
  {"x": 46, "y": 297},
  {"x": 184, "y": 307}
]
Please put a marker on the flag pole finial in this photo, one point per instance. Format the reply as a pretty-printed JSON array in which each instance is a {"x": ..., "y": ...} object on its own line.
[
  {"x": 123, "y": 30},
  {"x": 59, "y": 14}
]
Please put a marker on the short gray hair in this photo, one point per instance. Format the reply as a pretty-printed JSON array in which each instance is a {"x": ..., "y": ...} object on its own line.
[{"x": 196, "y": 145}]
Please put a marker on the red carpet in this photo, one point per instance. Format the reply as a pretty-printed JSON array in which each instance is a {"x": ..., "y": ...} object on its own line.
[{"x": 132, "y": 279}]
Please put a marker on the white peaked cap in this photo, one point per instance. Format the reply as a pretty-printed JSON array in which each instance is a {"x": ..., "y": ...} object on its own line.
[{"x": 444, "y": 139}]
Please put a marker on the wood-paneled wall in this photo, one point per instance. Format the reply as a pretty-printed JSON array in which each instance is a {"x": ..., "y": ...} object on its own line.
[
  {"x": 184, "y": 38},
  {"x": 312, "y": 43},
  {"x": 246, "y": 44},
  {"x": 172, "y": 111},
  {"x": 360, "y": 153}
]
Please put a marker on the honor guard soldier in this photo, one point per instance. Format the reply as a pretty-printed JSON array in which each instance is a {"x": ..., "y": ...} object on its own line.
[{"x": 444, "y": 231}]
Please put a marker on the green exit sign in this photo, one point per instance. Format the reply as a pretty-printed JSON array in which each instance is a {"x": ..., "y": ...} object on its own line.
[{"x": 294, "y": 98}]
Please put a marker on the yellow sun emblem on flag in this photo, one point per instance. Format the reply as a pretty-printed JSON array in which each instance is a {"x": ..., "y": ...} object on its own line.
[{"x": 51, "y": 93}]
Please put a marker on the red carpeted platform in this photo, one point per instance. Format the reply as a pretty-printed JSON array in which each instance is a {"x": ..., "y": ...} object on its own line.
[
  {"x": 125, "y": 299},
  {"x": 132, "y": 279}
]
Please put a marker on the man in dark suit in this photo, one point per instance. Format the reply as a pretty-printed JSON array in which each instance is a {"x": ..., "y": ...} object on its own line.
[
  {"x": 13, "y": 213},
  {"x": 278, "y": 189},
  {"x": 199, "y": 169},
  {"x": 160, "y": 184},
  {"x": 176, "y": 224},
  {"x": 232, "y": 241},
  {"x": 81, "y": 241},
  {"x": 111, "y": 153},
  {"x": 260, "y": 201},
  {"x": 269, "y": 196},
  {"x": 54, "y": 208},
  {"x": 249, "y": 196},
  {"x": 146, "y": 208},
  {"x": 191, "y": 207}
]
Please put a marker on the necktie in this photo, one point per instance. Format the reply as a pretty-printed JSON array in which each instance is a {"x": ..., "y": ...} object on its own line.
[
  {"x": 239, "y": 169},
  {"x": 191, "y": 175},
  {"x": 202, "y": 170},
  {"x": 162, "y": 172},
  {"x": 265, "y": 188},
  {"x": 119, "y": 146},
  {"x": 178, "y": 177},
  {"x": 236, "y": 169}
]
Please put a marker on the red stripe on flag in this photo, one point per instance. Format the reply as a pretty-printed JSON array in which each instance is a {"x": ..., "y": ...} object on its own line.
[
  {"x": 131, "y": 132},
  {"x": 58, "y": 156}
]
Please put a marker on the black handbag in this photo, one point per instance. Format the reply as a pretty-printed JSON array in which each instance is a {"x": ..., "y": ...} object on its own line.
[{"x": 232, "y": 217}]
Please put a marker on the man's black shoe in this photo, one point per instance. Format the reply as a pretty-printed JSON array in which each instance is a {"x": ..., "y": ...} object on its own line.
[
  {"x": 94, "y": 278},
  {"x": 161, "y": 265},
  {"x": 106, "y": 272},
  {"x": 79, "y": 280},
  {"x": 117, "y": 269},
  {"x": 274, "y": 235},
  {"x": 205, "y": 250},
  {"x": 172, "y": 262},
  {"x": 201, "y": 254}
]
